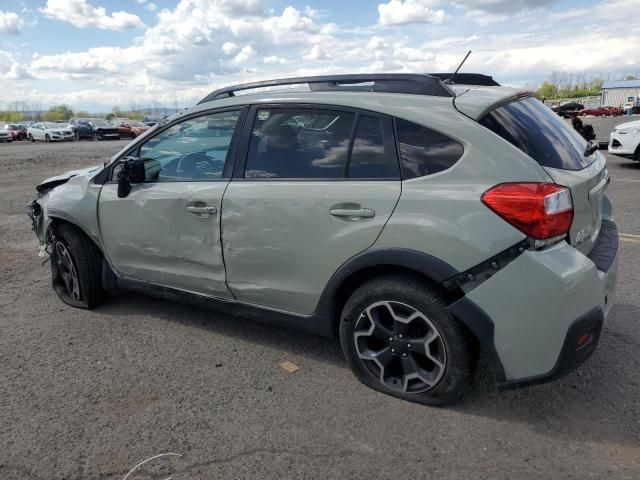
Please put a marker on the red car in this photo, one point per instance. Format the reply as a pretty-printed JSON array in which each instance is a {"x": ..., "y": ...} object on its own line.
[
  {"x": 131, "y": 129},
  {"x": 18, "y": 132},
  {"x": 601, "y": 111}
]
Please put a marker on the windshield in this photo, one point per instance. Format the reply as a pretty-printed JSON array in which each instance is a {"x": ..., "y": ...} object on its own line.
[
  {"x": 13, "y": 127},
  {"x": 101, "y": 123},
  {"x": 54, "y": 125},
  {"x": 540, "y": 133}
]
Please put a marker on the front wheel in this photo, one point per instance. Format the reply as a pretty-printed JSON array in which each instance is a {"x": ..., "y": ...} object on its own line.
[
  {"x": 31, "y": 139},
  {"x": 400, "y": 339},
  {"x": 47, "y": 138},
  {"x": 76, "y": 136},
  {"x": 76, "y": 268}
]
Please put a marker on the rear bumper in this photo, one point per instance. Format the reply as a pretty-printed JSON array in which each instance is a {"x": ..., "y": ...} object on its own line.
[
  {"x": 575, "y": 350},
  {"x": 538, "y": 307}
]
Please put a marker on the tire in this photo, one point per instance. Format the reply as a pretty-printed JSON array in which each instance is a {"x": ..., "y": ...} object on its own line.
[
  {"x": 31, "y": 139},
  {"x": 47, "y": 138},
  {"x": 436, "y": 378},
  {"x": 76, "y": 268},
  {"x": 99, "y": 136},
  {"x": 76, "y": 136}
]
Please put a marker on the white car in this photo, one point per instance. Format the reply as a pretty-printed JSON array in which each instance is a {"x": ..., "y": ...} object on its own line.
[
  {"x": 5, "y": 135},
  {"x": 624, "y": 140},
  {"x": 50, "y": 132}
]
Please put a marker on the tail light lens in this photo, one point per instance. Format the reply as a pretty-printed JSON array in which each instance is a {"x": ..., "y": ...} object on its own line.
[{"x": 540, "y": 210}]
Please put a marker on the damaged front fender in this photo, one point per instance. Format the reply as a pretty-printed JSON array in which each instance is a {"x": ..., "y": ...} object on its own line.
[{"x": 70, "y": 197}]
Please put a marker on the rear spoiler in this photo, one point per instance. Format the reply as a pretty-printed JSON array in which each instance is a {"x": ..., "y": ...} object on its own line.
[{"x": 467, "y": 79}]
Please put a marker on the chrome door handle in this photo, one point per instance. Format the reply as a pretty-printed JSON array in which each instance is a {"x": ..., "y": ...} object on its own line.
[
  {"x": 353, "y": 212},
  {"x": 207, "y": 210}
]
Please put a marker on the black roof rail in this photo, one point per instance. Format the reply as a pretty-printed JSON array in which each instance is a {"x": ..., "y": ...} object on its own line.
[
  {"x": 418, "y": 84},
  {"x": 467, "y": 79}
]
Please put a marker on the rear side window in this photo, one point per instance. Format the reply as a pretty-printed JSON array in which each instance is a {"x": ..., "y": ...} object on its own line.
[
  {"x": 299, "y": 143},
  {"x": 423, "y": 151},
  {"x": 368, "y": 158},
  {"x": 537, "y": 131}
]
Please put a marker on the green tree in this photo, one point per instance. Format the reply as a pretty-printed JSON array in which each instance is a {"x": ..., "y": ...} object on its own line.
[
  {"x": 546, "y": 90},
  {"x": 8, "y": 116},
  {"x": 60, "y": 112}
]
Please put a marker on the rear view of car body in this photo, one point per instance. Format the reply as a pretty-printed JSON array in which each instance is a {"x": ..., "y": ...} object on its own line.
[{"x": 546, "y": 302}]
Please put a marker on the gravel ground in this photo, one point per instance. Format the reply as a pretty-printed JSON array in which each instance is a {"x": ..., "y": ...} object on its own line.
[{"x": 87, "y": 395}]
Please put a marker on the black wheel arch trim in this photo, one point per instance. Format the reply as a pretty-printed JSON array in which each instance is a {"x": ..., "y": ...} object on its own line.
[
  {"x": 428, "y": 265},
  {"x": 438, "y": 271}
]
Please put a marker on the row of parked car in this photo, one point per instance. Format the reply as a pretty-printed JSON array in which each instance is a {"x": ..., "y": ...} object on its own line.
[
  {"x": 575, "y": 109},
  {"x": 75, "y": 129}
]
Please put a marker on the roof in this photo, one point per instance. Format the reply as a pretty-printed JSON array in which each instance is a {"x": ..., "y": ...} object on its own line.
[
  {"x": 436, "y": 84},
  {"x": 620, "y": 84}
]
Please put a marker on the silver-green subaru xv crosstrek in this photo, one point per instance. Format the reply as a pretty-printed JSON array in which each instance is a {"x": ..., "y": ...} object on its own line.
[{"x": 423, "y": 222}]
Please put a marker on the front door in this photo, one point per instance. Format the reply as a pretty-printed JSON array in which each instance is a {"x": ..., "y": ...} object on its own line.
[
  {"x": 167, "y": 230},
  {"x": 318, "y": 186}
]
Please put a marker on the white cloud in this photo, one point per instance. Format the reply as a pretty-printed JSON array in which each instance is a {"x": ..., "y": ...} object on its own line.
[
  {"x": 151, "y": 7},
  {"x": 317, "y": 53},
  {"x": 244, "y": 54},
  {"x": 10, "y": 69},
  {"x": 274, "y": 60},
  {"x": 229, "y": 47},
  {"x": 81, "y": 14},
  {"x": 10, "y": 23},
  {"x": 398, "y": 12}
]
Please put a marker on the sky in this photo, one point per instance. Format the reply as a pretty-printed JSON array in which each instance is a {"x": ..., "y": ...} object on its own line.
[{"x": 99, "y": 54}]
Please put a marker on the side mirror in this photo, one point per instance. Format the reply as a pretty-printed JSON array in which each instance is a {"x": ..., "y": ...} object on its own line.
[{"x": 132, "y": 172}]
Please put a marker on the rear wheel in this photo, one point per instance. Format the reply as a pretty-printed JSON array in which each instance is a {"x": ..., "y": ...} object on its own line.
[
  {"x": 399, "y": 338},
  {"x": 76, "y": 268}
]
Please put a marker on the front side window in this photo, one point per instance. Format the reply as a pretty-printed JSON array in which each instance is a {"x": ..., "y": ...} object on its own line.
[
  {"x": 194, "y": 149},
  {"x": 299, "y": 143},
  {"x": 424, "y": 151}
]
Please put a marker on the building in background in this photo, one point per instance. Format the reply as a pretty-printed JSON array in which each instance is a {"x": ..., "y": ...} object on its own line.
[{"x": 616, "y": 93}]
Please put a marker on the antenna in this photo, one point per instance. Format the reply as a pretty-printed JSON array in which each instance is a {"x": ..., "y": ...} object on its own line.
[{"x": 449, "y": 80}]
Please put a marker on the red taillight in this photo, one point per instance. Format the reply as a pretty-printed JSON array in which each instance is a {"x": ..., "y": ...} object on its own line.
[{"x": 540, "y": 210}]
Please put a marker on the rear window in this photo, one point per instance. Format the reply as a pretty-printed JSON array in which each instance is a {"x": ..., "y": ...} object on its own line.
[{"x": 540, "y": 133}]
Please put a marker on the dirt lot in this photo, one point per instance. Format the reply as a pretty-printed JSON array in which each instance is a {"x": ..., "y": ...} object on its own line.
[{"x": 87, "y": 395}]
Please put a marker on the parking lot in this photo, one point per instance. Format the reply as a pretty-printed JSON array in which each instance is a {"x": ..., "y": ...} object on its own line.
[{"x": 89, "y": 394}]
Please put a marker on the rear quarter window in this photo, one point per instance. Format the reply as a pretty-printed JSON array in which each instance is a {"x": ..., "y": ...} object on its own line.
[
  {"x": 424, "y": 151},
  {"x": 536, "y": 130}
]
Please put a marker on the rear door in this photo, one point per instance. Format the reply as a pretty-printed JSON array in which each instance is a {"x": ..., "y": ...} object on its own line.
[
  {"x": 317, "y": 186},
  {"x": 560, "y": 150}
]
